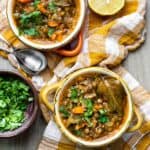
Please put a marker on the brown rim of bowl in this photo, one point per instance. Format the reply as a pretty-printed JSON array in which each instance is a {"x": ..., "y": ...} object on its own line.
[{"x": 30, "y": 119}]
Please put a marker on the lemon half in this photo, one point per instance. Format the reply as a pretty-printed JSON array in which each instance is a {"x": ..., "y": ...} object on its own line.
[{"x": 106, "y": 7}]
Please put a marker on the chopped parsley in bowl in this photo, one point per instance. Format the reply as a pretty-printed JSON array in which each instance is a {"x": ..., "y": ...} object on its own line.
[{"x": 17, "y": 104}]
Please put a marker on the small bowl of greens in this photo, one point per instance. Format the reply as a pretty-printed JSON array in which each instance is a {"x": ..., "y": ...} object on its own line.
[{"x": 18, "y": 104}]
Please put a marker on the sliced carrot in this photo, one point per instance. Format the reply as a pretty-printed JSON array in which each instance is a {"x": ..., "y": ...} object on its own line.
[
  {"x": 60, "y": 37},
  {"x": 78, "y": 110},
  {"x": 53, "y": 37},
  {"x": 73, "y": 52},
  {"x": 53, "y": 24},
  {"x": 97, "y": 107},
  {"x": 42, "y": 9},
  {"x": 24, "y": 1}
]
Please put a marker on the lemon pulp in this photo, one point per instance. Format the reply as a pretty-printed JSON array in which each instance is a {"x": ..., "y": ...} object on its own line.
[{"x": 106, "y": 7}]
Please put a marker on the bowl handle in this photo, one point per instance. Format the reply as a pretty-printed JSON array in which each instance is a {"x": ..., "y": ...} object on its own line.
[
  {"x": 44, "y": 94},
  {"x": 139, "y": 120},
  {"x": 73, "y": 52}
]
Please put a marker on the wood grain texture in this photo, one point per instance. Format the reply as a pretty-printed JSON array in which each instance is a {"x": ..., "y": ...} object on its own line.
[{"x": 137, "y": 63}]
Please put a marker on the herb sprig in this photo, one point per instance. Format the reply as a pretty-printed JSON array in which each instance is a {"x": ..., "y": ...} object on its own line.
[{"x": 14, "y": 99}]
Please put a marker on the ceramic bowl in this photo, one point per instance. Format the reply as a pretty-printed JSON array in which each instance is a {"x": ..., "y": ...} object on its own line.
[
  {"x": 41, "y": 45},
  {"x": 31, "y": 110},
  {"x": 61, "y": 88}
]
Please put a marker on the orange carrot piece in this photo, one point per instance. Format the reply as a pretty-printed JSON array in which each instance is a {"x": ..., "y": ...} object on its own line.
[
  {"x": 53, "y": 37},
  {"x": 59, "y": 37},
  {"x": 41, "y": 8},
  {"x": 97, "y": 107},
  {"x": 52, "y": 24},
  {"x": 24, "y": 1},
  {"x": 78, "y": 110}
]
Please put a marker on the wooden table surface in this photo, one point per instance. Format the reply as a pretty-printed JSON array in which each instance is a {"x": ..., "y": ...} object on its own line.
[{"x": 137, "y": 63}]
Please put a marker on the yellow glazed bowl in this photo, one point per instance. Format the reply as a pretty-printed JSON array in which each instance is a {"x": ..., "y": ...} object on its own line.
[
  {"x": 41, "y": 45},
  {"x": 63, "y": 85}
]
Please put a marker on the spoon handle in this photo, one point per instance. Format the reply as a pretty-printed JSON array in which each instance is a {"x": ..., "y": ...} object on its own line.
[{"x": 138, "y": 140}]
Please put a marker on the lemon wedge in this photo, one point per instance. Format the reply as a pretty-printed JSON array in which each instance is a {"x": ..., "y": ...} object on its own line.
[{"x": 106, "y": 7}]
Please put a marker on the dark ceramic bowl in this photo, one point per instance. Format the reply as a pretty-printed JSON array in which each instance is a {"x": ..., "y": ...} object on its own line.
[{"x": 31, "y": 110}]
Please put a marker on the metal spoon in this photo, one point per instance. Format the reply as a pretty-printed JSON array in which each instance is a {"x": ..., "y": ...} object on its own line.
[
  {"x": 139, "y": 139},
  {"x": 31, "y": 61}
]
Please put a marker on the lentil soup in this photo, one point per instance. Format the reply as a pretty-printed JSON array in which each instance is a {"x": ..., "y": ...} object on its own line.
[
  {"x": 45, "y": 20},
  {"x": 92, "y": 106}
]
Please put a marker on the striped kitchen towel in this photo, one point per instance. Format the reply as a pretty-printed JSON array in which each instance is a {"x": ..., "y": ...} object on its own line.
[{"x": 107, "y": 40}]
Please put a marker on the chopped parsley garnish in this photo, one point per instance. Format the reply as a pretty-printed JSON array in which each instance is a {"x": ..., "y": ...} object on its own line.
[
  {"x": 36, "y": 2},
  {"x": 103, "y": 119},
  {"x": 51, "y": 31},
  {"x": 89, "y": 110},
  {"x": 28, "y": 20},
  {"x": 77, "y": 132},
  {"x": 64, "y": 111},
  {"x": 74, "y": 93},
  {"x": 103, "y": 116},
  {"x": 103, "y": 111},
  {"x": 14, "y": 99},
  {"x": 34, "y": 18},
  {"x": 52, "y": 6},
  {"x": 31, "y": 32}
]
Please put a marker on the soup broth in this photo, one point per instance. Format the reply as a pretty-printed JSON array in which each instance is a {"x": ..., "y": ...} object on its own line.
[
  {"x": 93, "y": 106},
  {"x": 46, "y": 20}
]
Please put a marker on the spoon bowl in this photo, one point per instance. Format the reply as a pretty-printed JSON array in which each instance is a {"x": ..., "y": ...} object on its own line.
[{"x": 33, "y": 62}]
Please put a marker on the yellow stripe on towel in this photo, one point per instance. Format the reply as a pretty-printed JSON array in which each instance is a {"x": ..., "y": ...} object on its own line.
[
  {"x": 69, "y": 61},
  {"x": 128, "y": 38},
  {"x": 104, "y": 30},
  {"x": 131, "y": 6},
  {"x": 9, "y": 35},
  {"x": 96, "y": 57}
]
